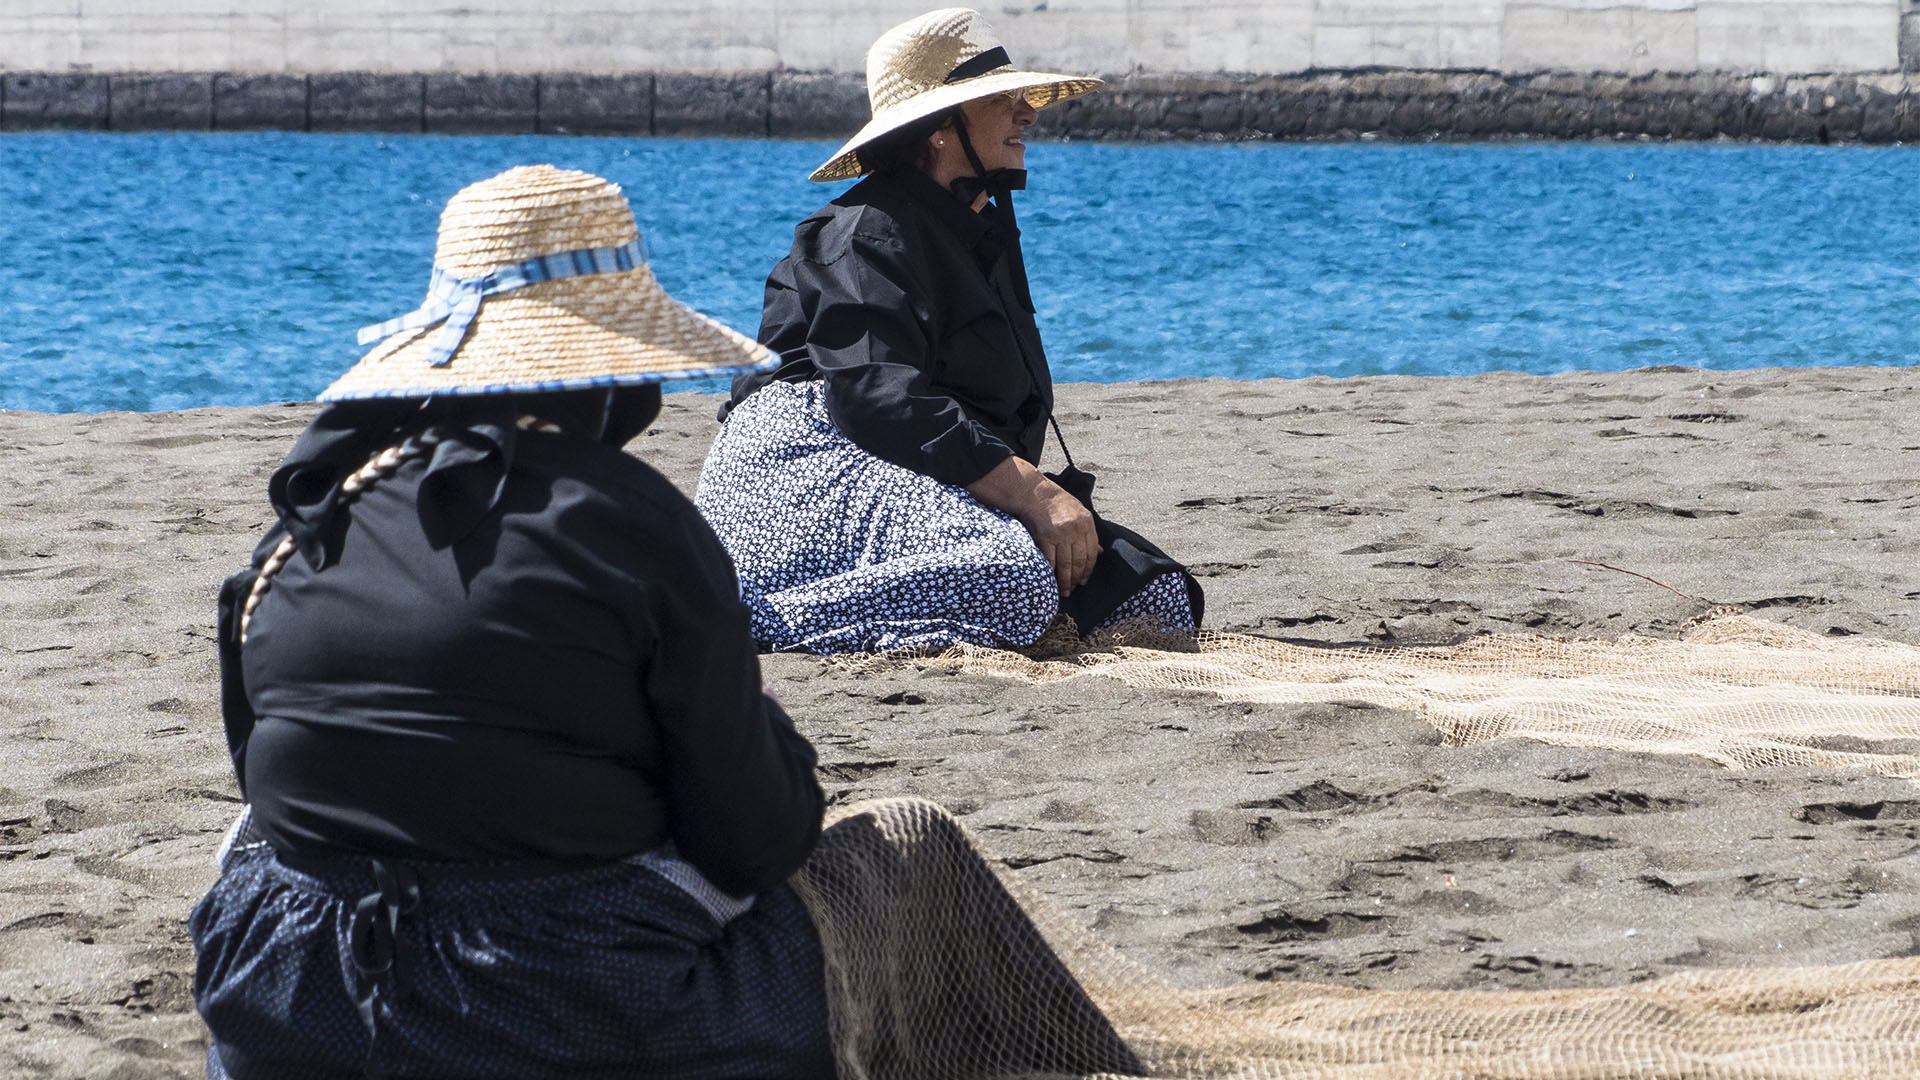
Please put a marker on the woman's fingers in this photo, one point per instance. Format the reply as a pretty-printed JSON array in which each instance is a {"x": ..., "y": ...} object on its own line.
[
  {"x": 1075, "y": 550},
  {"x": 1087, "y": 547},
  {"x": 1065, "y": 561},
  {"x": 1089, "y": 557},
  {"x": 1062, "y": 559}
]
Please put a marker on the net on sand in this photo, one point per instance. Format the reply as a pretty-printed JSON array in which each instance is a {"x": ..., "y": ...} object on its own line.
[
  {"x": 941, "y": 966},
  {"x": 1738, "y": 690}
]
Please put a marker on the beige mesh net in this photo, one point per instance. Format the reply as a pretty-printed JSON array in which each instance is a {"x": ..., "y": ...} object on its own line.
[
  {"x": 1738, "y": 690},
  {"x": 937, "y": 966},
  {"x": 941, "y": 966}
]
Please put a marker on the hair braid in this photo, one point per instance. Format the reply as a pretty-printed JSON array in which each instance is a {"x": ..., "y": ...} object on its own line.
[{"x": 377, "y": 467}]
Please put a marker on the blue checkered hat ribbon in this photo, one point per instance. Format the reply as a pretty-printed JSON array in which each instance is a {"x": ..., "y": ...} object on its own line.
[{"x": 455, "y": 301}]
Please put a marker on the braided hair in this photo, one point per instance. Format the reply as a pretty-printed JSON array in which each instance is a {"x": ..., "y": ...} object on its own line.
[{"x": 378, "y": 467}]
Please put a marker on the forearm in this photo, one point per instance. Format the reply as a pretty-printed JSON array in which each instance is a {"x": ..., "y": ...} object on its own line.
[
  {"x": 1062, "y": 529},
  {"x": 1014, "y": 486}
]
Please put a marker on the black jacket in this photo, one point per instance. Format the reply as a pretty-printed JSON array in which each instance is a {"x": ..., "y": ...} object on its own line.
[
  {"x": 914, "y": 309},
  {"x": 571, "y": 680}
]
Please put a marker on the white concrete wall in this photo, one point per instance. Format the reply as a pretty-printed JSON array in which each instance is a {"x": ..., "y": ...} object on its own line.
[{"x": 1106, "y": 36}]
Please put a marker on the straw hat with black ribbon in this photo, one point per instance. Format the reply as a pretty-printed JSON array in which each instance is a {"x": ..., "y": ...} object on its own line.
[
  {"x": 932, "y": 63},
  {"x": 540, "y": 283}
]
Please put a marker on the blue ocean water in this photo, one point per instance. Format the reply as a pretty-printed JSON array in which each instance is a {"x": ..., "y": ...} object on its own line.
[{"x": 172, "y": 270}]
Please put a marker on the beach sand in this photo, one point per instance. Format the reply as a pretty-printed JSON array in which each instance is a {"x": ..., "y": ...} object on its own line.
[{"x": 1213, "y": 842}]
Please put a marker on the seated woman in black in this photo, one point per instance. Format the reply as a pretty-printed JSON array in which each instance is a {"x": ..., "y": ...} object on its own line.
[
  {"x": 516, "y": 804},
  {"x": 880, "y": 489}
]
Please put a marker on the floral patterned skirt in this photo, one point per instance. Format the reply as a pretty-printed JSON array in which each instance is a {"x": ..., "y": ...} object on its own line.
[{"x": 839, "y": 551}]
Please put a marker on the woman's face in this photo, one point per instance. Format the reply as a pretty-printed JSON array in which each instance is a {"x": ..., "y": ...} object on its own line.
[{"x": 998, "y": 127}]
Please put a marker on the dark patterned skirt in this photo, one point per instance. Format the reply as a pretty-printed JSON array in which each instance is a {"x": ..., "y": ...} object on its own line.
[
  {"x": 352, "y": 968},
  {"x": 839, "y": 551}
]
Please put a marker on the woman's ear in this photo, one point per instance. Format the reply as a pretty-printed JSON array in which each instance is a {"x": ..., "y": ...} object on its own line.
[
  {"x": 936, "y": 147},
  {"x": 942, "y": 148}
]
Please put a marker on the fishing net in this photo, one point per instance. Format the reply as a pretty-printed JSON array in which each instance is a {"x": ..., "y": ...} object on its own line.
[
  {"x": 940, "y": 965},
  {"x": 1740, "y": 691}
]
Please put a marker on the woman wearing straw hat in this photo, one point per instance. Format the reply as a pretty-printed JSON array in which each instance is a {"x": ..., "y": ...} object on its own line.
[
  {"x": 880, "y": 488},
  {"x": 516, "y": 805}
]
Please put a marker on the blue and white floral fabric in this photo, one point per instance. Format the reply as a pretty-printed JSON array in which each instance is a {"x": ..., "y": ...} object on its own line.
[{"x": 840, "y": 551}]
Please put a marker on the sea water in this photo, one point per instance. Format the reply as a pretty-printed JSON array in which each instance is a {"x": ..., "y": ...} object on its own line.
[{"x": 172, "y": 270}]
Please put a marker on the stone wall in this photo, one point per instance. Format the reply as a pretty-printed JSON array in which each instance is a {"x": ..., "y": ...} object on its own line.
[
  {"x": 1269, "y": 37},
  {"x": 1403, "y": 104},
  {"x": 1811, "y": 69}
]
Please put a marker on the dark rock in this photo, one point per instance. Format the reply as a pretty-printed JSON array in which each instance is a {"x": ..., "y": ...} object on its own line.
[
  {"x": 596, "y": 104},
  {"x": 1771, "y": 119},
  {"x": 1113, "y": 112},
  {"x": 1879, "y": 115},
  {"x": 1701, "y": 113},
  {"x": 710, "y": 104},
  {"x": 260, "y": 102},
  {"x": 1410, "y": 118},
  {"x": 804, "y": 104},
  {"x": 1907, "y": 117},
  {"x": 482, "y": 104},
  {"x": 30, "y": 101},
  {"x": 165, "y": 102},
  {"x": 1524, "y": 112},
  {"x": 1364, "y": 112},
  {"x": 1398, "y": 104},
  {"x": 1802, "y": 115},
  {"x": 364, "y": 101}
]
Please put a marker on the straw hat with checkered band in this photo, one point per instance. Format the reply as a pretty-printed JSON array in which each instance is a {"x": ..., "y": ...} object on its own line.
[
  {"x": 934, "y": 62},
  {"x": 540, "y": 283}
]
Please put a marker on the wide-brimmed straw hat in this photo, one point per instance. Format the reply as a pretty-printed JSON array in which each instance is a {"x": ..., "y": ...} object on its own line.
[
  {"x": 540, "y": 283},
  {"x": 934, "y": 62}
]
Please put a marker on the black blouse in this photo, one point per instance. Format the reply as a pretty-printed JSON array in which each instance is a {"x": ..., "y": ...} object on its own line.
[
  {"x": 572, "y": 681},
  {"x": 914, "y": 310}
]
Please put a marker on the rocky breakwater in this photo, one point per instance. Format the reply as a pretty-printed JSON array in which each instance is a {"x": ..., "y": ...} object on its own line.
[
  {"x": 1407, "y": 104},
  {"x": 1876, "y": 108}
]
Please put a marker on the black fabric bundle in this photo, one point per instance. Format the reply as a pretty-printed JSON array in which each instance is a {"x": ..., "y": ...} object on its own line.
[{"x": 1128, "y": 562}]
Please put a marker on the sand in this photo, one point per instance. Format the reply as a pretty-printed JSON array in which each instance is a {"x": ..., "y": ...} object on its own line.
[{"x": 1213, "y": 842}]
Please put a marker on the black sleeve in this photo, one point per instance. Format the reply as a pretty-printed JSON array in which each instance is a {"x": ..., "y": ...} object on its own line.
[
  {"x": 861, "y": 309},
  {"x": 236, "y": 712},
  {"x": 742, "y": 802},
  {"x": 236, "y": 708}
]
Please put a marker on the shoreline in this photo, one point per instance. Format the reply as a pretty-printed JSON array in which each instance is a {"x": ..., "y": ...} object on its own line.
[
  {"x": 1871, "y": 107},
  {"x": 1068, "y": 387},
  {"x": 1376, "y": 509}
]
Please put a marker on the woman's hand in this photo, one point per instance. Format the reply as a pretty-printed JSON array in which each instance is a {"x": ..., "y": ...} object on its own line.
[{"x": 1061, "y": 528}]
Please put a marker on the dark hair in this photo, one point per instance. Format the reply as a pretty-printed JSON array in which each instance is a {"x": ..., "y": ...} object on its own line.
[{"x": 904, "y": 147}]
